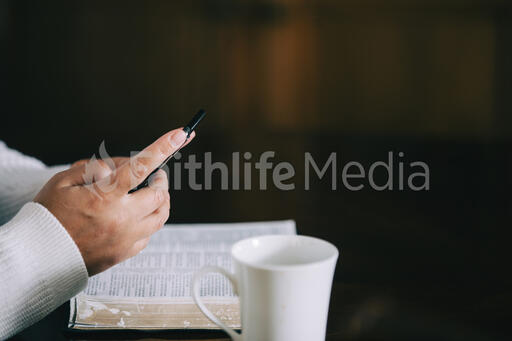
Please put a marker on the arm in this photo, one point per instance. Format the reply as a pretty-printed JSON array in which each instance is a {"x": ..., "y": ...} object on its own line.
[
  {"x": 41, "y": 268},
  {"x": 73, "y": 228},
  {"x": 21, "y": 177},
  {"x": 40, "y": 265}
]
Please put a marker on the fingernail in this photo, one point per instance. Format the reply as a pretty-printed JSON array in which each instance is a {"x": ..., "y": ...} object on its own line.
[{"x": 178, "y": 138}]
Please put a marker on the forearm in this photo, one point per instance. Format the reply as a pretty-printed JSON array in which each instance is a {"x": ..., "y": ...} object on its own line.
[
  {"x": 21, "y": 178},
  {"x": 41, "y": 267}
]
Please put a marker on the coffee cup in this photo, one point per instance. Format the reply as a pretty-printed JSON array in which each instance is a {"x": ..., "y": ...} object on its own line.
[{"x": 284, "y": 285}]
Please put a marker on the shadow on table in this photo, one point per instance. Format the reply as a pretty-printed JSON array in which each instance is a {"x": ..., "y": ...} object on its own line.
[{"x": 357, "y": 312}]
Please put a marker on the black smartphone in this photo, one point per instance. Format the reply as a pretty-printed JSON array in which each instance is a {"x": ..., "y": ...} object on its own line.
[{"x": 189, "y": 128}]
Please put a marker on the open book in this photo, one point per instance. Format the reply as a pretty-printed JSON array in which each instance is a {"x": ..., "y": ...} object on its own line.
[{"x": 152, "y": 289}]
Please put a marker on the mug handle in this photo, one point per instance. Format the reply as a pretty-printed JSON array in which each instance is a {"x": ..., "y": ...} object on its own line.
[{"x": 196, "y": 286}]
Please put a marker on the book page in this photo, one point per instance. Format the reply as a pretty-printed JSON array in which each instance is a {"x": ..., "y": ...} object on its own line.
[{"x": 152, "y": 289}]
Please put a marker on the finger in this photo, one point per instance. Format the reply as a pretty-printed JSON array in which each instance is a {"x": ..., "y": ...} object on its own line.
[
  {"x": 138, "y": 247},
  {"x": 189, "y": 139},
  {"x": 120, "y": 160},
  {"x": 85, "y": 174},
  {"x": 154, "y": 221},
  {"x": 148, "y": 199},
  {"x": 79, "y": 163},
  {"x": 140, "y": 166},
  {"x": 159, "y": 181}
]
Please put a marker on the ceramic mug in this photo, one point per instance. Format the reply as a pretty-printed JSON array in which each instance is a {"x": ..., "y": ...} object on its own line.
[{"x": 284, "y": 286}]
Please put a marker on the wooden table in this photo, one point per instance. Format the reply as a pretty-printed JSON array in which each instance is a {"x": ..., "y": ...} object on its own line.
[{"x": 358, "y": 312}]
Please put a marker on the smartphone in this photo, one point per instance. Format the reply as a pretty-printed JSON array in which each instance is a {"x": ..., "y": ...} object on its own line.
[{"x": 189, "y": 128}]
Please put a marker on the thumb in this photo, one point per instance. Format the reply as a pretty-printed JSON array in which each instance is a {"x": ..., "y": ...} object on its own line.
[{"x": 141, "y": 165}]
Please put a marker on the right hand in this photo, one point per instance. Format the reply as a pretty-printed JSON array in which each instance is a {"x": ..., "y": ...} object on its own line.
[{"x": 109, "y": 226}]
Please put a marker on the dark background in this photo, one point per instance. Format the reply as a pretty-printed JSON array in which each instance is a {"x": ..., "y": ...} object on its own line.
[{"x": 432, "y": 79}]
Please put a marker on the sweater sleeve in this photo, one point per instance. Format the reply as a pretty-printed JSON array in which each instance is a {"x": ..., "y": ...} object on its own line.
[
  {"x": 40, "y": 265},
  {"x": 21, "y": 178}
]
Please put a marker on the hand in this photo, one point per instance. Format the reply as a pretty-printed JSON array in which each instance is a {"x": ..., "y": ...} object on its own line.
[
  {"x": 107, "y": 224},
  {"x": 116, "y": 161}
]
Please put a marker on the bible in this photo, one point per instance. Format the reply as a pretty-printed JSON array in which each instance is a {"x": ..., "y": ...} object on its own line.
[{"x": 151, "y": 291}]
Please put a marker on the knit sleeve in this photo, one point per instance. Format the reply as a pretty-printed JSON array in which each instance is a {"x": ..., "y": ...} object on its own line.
[
  {"x": 21, "y": 178},
  {"x": 41, "y": 267}
]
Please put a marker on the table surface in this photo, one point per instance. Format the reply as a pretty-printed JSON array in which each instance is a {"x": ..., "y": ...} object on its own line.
[{"x": 357, "y": 312}]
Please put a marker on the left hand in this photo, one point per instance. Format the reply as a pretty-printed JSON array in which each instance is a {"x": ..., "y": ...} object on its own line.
[{"x": 118, "y": 161}]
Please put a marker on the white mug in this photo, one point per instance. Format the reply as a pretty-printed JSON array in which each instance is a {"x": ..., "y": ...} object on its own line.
[{"x": 284, "y": 286}]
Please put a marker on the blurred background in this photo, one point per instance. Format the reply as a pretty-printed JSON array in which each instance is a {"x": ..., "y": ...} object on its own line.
[{"x": 432, "y": 79}]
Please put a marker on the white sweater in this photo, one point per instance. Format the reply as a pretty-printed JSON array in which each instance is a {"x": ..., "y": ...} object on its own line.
[{"x": 40, "y": 265}]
